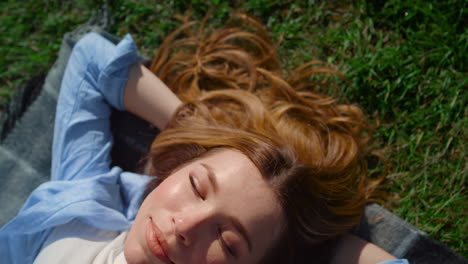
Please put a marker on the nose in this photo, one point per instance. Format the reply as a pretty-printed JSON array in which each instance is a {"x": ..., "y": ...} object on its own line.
[{"x": 190, "y": 225}]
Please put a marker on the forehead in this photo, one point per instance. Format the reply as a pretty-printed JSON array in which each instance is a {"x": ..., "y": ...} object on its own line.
[
  {"x": 243, "y": 193},
  {"x": 238, "y": 176}
]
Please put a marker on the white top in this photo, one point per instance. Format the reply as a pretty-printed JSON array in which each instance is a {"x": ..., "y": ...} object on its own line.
[{"x": 78, "y": 243}]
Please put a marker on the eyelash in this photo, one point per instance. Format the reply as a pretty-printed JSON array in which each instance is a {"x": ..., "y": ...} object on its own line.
[
  {"x": 225, "y": 246},
  {"x": 195, "y": 188}
]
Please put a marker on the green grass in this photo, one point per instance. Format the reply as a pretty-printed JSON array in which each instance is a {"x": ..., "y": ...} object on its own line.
[
  {"x": 406, "y": 61},
  {"x": 31, "y": 37}
]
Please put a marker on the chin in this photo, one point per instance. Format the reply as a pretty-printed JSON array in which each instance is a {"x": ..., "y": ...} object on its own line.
[
  {"x": 133, "y": 255},
  {"x": 133, "y": 251}
]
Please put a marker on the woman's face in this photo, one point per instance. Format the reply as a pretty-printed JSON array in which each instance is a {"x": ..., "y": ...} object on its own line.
[{"x": 217, "y": 209}]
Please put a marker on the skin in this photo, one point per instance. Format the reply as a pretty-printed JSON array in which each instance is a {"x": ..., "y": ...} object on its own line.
[
  {"x": 194, "y": 215},
  {"x": 149, "y": 98},
  {"x": 352, "y": 249}
]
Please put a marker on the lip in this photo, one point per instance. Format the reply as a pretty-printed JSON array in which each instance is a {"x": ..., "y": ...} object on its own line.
[{"x": 156, "y": 242}]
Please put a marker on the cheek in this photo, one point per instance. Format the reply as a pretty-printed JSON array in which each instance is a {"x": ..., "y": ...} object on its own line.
[
  {"x": 209, "y": 252},
  {"x": 170, "y": 194}
]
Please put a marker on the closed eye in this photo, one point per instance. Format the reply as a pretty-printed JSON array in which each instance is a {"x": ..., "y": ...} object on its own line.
[
  {"x": 227, "y": 249},
  {"x": 195, "y": 187}
]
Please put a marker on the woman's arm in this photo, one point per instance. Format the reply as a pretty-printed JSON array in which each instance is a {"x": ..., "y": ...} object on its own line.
[
  {"x": 148, "y": 97},
  {"x": 94, "y": 81},
  {"x": 352, "y": 249}
]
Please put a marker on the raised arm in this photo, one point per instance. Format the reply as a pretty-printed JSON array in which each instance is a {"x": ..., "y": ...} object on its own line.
[
  {"x": 99, "y": 76},
  {"x": 148, "y": 97}
]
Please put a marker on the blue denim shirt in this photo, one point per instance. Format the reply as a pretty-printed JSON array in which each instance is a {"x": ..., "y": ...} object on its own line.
[{"x": 83, "y": 186}]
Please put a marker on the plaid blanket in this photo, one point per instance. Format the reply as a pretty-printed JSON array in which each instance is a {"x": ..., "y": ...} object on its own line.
[{"x": 26, "y": 131}]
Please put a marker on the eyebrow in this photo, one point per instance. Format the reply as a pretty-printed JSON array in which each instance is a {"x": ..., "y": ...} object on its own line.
[{"x": 235, "y": 221}]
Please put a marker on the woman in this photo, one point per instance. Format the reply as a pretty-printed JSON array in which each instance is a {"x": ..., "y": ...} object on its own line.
[{"x": 252, "y": 174}]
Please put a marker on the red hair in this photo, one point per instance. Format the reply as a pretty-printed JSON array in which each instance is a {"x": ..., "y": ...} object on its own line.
[{"x": 311, "y": 149}]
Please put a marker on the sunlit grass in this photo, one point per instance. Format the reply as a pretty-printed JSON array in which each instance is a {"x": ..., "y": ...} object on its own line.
[{"x": 406, "y": 62}]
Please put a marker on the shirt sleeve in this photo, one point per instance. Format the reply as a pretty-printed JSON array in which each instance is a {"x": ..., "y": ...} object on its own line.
[{"x": 94, "y": 81}]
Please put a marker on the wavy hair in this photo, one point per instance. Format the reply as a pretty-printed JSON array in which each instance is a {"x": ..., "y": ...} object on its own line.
[{"x": 310, "y": 148}]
